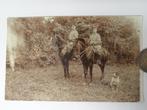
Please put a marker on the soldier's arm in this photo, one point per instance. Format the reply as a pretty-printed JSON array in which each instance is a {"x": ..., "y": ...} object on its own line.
[
  {"x": 61, "y": 38},
  {"x": 77, "y": 35},
  {"x": 90, "y": 41},
  {"x": 99, "y": 39}
]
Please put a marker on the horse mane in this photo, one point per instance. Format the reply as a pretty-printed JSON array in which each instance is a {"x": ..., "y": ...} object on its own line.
[
  {"x": 81, "y": 39},
  {"x": 82, "y": 42}
]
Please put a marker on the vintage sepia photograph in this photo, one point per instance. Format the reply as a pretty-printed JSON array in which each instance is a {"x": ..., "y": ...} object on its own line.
[{"x": 73, "y": 58}]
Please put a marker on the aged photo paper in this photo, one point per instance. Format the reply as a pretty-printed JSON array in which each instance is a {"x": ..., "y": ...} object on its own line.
[{"x": 73, "y": 58}]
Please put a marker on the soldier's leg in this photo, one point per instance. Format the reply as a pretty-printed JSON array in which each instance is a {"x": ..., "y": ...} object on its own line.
[
  {"x": 70, "y": 47},
  {"x": 64, "y": 50}
]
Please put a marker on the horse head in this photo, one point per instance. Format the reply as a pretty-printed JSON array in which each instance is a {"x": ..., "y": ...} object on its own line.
[
  {"x": 56, "y": 42},
  {"x": 81, "y": 43}
]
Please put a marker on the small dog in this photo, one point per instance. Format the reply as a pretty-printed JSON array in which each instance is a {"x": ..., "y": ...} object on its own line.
[{"x": 115, "y": 80}]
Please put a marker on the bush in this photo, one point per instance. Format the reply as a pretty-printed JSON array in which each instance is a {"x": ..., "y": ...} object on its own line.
[{"x": 119, "y": 35}]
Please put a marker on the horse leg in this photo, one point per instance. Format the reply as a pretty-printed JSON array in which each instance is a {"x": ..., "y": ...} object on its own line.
[
  {"x": 102, "y": 65},
  {"x": 67, "y": 69},
  {"x": 64, "y": 66},
  {"x": 90, "y": 70},
  {"x": 64, "y": 70},
  {"x": 102, "y": 69},
  {"x": 85, "y": 67}
]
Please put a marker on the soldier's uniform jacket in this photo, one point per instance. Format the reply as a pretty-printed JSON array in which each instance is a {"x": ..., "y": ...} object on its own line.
[
  {"x": 95, "y": 42},
  {"x": 95, "y": 39},
  {"x": 73, "y": 35}
]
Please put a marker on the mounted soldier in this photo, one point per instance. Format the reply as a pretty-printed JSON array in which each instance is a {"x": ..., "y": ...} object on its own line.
[
  {"x": 65, "y": 47},
  {"x": 95, "y": 41},
  {"x": 92, "y": 52},
  {"x": 71, "y": 41}
]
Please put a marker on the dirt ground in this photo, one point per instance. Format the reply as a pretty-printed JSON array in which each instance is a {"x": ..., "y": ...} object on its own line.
[{"x": 48, "y": 84}]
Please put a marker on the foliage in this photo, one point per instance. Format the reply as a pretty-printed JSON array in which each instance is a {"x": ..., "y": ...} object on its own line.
[{"x": 119, "y": 35}]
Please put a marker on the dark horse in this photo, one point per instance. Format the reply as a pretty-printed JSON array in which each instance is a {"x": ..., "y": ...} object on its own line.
[
  {"x": 60, "y": 43},
  {"x": 94, "y": 59}
]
